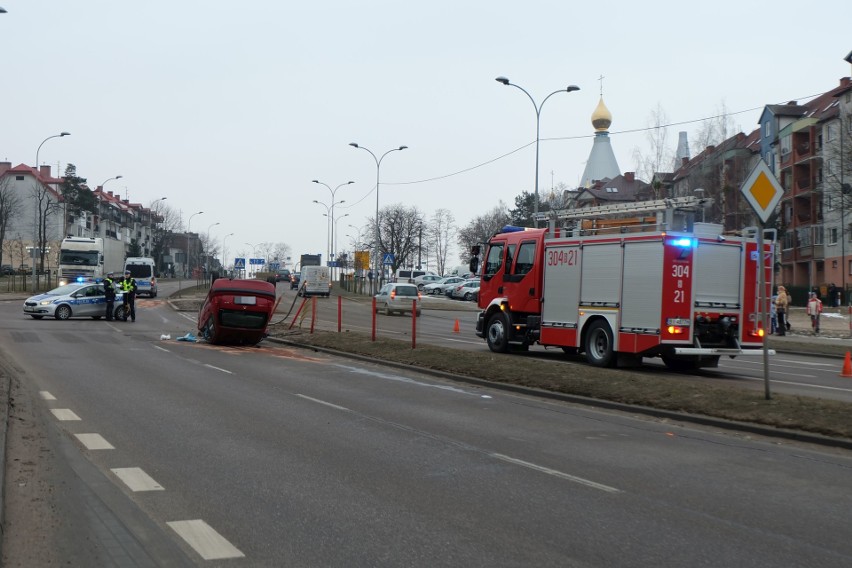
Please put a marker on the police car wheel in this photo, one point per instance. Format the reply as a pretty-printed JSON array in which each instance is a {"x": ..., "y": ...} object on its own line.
[
  {"x": 119, "y": 313},
  {"x": 63, "y": 312}
]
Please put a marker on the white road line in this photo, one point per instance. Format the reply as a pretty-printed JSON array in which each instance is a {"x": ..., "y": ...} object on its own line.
[
  {"x": 136, "y": 479},
  {"x": 94, "y": 442},
  {"x": 324, "y": 403},
  {"x": 64, "y": 414},
  {"x": 218, "y": 369},
  {"x": 46, "y": 395},
  {"x": 557, "y": 473},
  {"x": 209, "y": 544},
  {"x": 161, "y": 348}
]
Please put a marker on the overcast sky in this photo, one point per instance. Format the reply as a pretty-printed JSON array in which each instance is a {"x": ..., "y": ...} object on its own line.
[{"x": 234, "y": 107}]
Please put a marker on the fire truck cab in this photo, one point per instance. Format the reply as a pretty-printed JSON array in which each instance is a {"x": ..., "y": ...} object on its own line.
[{"x": 618, "y": 290}]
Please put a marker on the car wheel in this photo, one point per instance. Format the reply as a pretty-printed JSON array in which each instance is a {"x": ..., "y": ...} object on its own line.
[
  {"x": 387, "y": 310},
  {"x": 420, "y": 287},
  {"x": 209, "y": 330},
  {"x": 497, "y": 333},
  {"x": 468, "y": 296},
  {"x": 599, "y": 345},
  {"x": 119, "y": 313},
  {"x": 418, "y": 313},
  {"x": 63, "y": 312}
]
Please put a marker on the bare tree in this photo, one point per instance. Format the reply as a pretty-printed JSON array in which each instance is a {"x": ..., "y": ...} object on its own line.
[
  {"x": 10, "y": 209},
  {"x": 716, "y": 129},
  {"x": 441, "y": 232},
  {"x": 46, "y": 207},
  {"x": 659, "y": 155},
  {"x": 399, "y": 233},
  {"x": 482, "y": 228}
]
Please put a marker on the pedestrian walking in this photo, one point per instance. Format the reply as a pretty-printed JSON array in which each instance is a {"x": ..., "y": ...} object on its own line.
[
  {"x": 781, "y": 310},
  {"x": 109, "y": 294},
  {"x": 128, "y": 286},
  {"x": 814, "y": 310}
]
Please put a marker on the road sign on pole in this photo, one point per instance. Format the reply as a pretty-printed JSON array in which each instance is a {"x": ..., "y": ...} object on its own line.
[{"x": 762, "y": 190}]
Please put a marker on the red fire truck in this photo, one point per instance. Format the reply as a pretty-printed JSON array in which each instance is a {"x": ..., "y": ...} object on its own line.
[{"x": 620, "y": 289}]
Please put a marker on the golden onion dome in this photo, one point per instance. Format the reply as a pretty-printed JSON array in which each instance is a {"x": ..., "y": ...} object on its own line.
[{"x": 601, "y": 118}]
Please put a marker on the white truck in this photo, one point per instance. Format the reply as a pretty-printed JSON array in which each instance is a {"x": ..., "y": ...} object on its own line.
[
  {"x": 314, "y": 281},
  {"x": 89, "y": 258}
]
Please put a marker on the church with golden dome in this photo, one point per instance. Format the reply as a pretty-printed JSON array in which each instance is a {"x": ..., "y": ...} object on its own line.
[{"x": 601, "y": 163}]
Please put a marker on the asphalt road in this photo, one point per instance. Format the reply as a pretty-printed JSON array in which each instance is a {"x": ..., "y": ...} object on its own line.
[{"x": 183, "y": 453}]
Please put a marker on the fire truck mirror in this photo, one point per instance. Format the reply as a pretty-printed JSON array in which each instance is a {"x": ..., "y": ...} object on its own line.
[
  {"x": 474, "y": 264},
  {"x": 474, "y": 251}
]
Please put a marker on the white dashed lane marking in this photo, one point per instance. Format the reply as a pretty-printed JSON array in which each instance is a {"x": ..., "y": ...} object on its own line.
[
  {"x": 64, "y": 414},
  {"x": 94, "y": 442},
  {"x": 136, "y": 479},
  {"x": 209, "y": 544},
  {"x": 46, "y": 395}
]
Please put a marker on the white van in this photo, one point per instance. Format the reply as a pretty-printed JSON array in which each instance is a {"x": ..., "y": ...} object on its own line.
[
  {"x": 407, "y": 276},
  {"x": 142, "y": 269}
]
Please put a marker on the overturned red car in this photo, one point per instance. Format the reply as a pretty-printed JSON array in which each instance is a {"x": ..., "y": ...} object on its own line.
[{"x": 236, "y": 311}]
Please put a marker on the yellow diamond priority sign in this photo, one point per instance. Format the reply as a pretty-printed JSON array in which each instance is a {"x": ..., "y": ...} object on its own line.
[{"x": 762, "y": 191}]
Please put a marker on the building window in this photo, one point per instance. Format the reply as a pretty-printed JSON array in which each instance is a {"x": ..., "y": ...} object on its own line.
[
  {"x": 804, "y": 236},
  {"x": 829, "y": 202},
  {"x": 789, "y": 241},
  {"x": 829, "y": 167},
  {"x": 767, "y": 129},
  {"x": 786, "y": 145},
  {"x": 829, "y": 132},
  {"x": 832, "y": 236}
]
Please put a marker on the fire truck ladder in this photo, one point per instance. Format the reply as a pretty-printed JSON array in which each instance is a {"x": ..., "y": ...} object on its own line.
[{"x": 689, "y": 203}]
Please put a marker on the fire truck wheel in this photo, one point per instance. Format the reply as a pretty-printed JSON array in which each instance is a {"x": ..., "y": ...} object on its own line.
[
  {"x": 599, "y": 351},
  {"x": 498, "y": 333}
]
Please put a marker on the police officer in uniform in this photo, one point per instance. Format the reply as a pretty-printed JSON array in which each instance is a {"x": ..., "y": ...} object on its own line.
[
  {"x": 128, "y": 286},
  {"x": 109, "y": 293}
]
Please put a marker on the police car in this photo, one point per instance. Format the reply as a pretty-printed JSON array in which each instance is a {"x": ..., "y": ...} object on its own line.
[{"x": 78, "y": 299}]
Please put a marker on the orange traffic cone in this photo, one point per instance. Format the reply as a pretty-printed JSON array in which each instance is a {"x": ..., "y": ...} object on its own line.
[
  {"x": 456, "y": 330},
  {"x": 847, "y": 366}
]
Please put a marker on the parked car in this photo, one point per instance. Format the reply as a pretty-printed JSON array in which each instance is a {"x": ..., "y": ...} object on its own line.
[
  {"x": 236, "y": 311},
  {"x": 78, "y": 299},
  {"x": 424, "y": 279},
  {"x": 440, "y": 286},
  {"x": 467, "y": 290},
  {"x": 398, "y": 297},
  {"x": 6, "y": 270}
]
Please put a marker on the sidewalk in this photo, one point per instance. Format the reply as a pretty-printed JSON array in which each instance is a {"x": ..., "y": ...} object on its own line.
[{"x": 834, "y": 337}]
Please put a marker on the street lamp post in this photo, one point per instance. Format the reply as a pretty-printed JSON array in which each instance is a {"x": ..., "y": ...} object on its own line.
[
  {"x": 207, "y": 244},
  {"x": 37, "y": 244},
  {"x": 154, "y": 230},
  {"x": 329, "y": 227},
  {"x": 568, "y": 89},
  {"x": 224, "y": 255},
  {"x": 188, "y": 225},
  {"x": 254, "y": 252},
  {"x": 377, "y": 260},
  {"x": 333, "y": 194}
]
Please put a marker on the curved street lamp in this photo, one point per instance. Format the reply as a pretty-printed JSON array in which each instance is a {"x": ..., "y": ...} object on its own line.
[
  {"x": 37, "y": 246},
  {"x": 377, "y": 260},
  {"x": 224, "y": 255},
  {"x": 568, "y": 89},
  {"x": 333, "y": 194},
  {"x": 329, "y": 213},
  {"x": 60, "y": 135},
  {"x": 103, "y": 183},
  {"x": 188, "y": 225}
]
